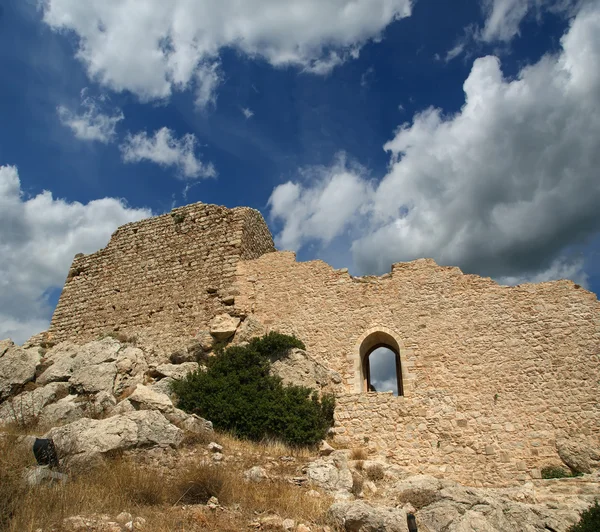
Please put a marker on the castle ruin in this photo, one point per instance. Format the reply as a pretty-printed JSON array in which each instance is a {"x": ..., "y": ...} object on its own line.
[{"x": 489, "y": 377}]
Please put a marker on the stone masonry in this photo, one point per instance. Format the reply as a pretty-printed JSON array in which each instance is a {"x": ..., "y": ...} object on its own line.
[
  {"x": 493, "y": 376},
  {"x": 165, "y": 277}
]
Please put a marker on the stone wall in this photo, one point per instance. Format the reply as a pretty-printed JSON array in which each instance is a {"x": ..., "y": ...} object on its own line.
[
  {"x": 164, "y": 277},
  {"x": 492, "y": 375}
]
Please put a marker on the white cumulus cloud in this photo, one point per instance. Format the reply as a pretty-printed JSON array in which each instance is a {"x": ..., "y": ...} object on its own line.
[
  {"x": 152, "y": 47},
  {"x": 91, "y": 123},
  {"x": 504, "y": 17},
  {"x": 164, "y": 149},
  {"x": 39, "y": 236},
  {"x": 501, "y": 188}
]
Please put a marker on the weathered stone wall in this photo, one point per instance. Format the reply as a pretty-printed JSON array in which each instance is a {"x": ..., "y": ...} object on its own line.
[
  {"x": 165, "y": 277},
  {"x": 492, "y": 375}
]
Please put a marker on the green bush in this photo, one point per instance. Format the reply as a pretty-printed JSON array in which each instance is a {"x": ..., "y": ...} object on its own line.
[
  {"x": 590, "y": 520},
  {"x": 237, "y": 393},
  {"x": 558, "y": 472}
]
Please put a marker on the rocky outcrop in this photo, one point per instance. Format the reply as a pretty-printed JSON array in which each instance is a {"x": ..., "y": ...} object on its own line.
[
  {"x": 358, "y": 516},
  {"x": 331, "y": 473},
  {"x": 85, "y": 440},
  {"x": 17, "y": 368},
  {"x": 64, "y": 360},
  {"x": 25, "y": 408}
]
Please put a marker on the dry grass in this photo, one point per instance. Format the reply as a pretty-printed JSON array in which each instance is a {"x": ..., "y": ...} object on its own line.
[
  {"x": 359, "y": 453},
  {"x": 163, "y": 497}
]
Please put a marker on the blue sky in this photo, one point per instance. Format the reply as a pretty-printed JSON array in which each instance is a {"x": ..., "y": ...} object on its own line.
[{"x": 367, "y": 132}]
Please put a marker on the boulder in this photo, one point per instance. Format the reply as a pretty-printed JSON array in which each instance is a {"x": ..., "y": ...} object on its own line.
[
  {"x": 256, "y": 474},
  {"x": 85, "y": 440},
  {"x": 58, "y": 363},
  {"x": 330, "y": 474},
  {"x": 223, "y": 327},
  {"x": 189, "y": 422},
  {"x": 93, "y": 379},
  {"x": 163, "y": 386},
  {"x": 17, "y": 368},
  {"x": 145, "y": 398},
  {"x": 578, "y": 455},
  {"x": 65, "y": 410},
  {"x": 446, "y": 505},
  {"x": 358, "y": 516},
  {"x": 176, "y": 371},
  {"x": 66, "y": 358},
  {"x": 26, "y": 407}
]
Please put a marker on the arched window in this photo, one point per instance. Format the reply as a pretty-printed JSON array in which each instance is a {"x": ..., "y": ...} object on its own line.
[{"x": 381, "y": 369}]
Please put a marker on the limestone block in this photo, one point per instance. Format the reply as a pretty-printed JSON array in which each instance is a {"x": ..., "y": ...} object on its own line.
[{"x": 223, "y": 327}]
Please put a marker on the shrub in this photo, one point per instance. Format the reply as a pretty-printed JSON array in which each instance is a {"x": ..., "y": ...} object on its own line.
[
  {"x": 590, "y": 520},
  {"x": 237, "y": 393},
  {"x": 558, "y": 472}
]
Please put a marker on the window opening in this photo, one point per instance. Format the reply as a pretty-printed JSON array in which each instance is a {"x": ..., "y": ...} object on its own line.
[{"x": 381, "y": 366}]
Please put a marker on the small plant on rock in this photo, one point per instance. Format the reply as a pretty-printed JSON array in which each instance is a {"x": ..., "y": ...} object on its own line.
[{"x": 239, "y": 395}]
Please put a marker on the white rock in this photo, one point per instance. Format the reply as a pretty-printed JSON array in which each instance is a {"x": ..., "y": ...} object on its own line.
[
  {"x": 217, "y": 457},
  {"x": 86, "y": 439},
  {"x": 223, "y": 326},
  {"x": 37, "y": 475},
  {"x": 325, "y": 473},
  {"x": 95, "y": 378},
  {"x": 164, "y": 386},
  {"x": 256, "y": 474},
  {"x": 359, "y": 516},
  {"x": 176, "y": 371},
  {"x": 65, "y": 410},
  {"x": 288, "y": 525},
  {"x": 189, "y": 422},
  {"x": 17, "y": 368},
  {"x": 66, "y": 358},
  {"x": 214, "y": 447},
  {"x": 27, "y": 406},
  {"x": 145, "y": 398}
]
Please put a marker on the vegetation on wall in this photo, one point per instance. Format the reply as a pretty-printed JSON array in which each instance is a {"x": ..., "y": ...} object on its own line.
[{"x": 238, "y": 394}]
